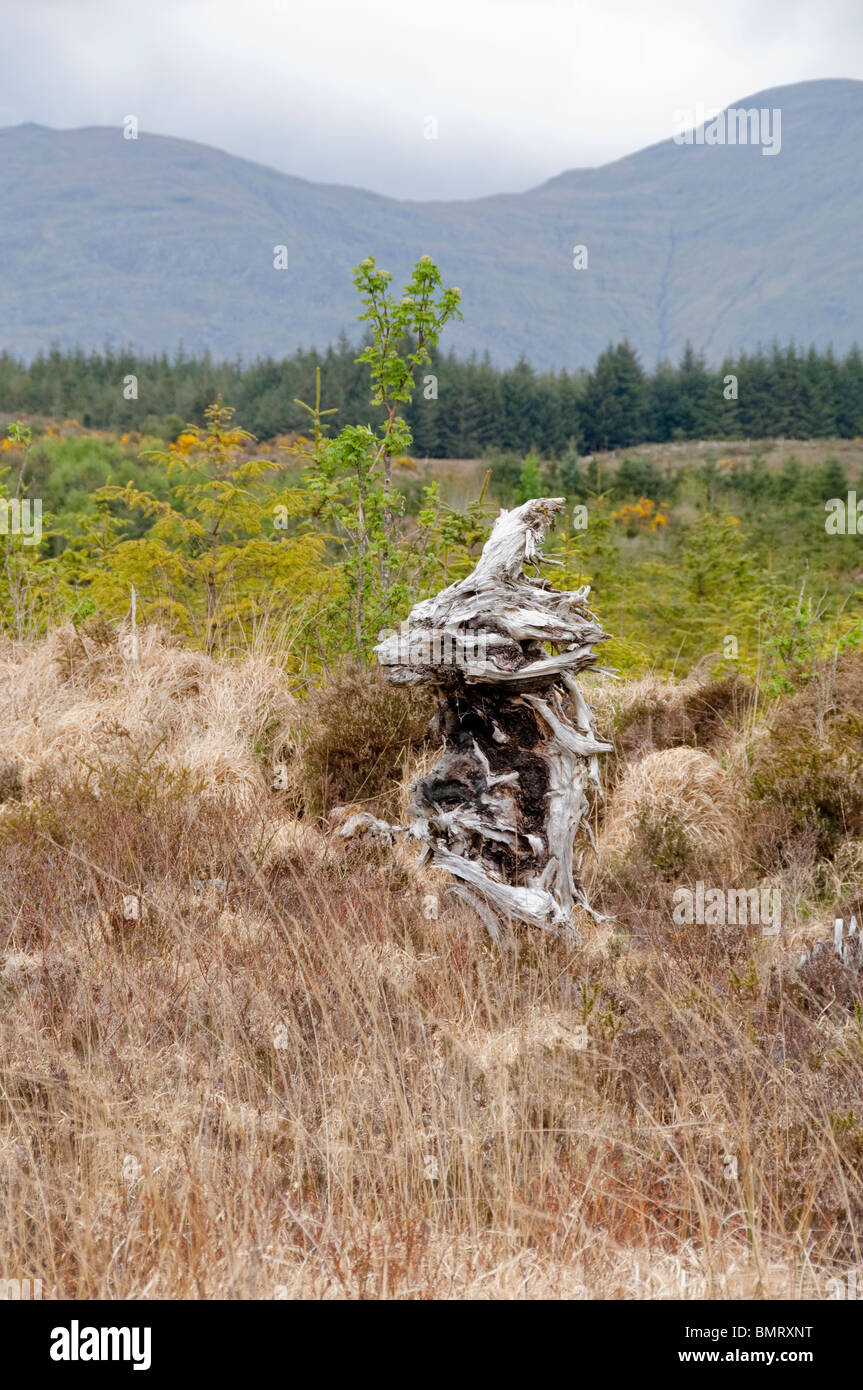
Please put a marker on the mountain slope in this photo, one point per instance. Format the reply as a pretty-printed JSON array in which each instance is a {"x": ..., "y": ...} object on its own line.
[{"x": 160, "y": 241}]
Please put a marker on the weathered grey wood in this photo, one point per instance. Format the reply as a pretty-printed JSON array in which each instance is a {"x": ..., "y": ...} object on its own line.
[
  {"x": 848, "y": 946},
  {"x": 502, "y": 807}
]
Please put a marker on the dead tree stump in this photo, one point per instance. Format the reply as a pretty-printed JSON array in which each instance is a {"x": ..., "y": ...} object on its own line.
[{"x": 502, "y": 807}]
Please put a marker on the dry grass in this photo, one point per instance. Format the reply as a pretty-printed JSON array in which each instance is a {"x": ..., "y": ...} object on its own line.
[
  {"x": 299, "y": 1071},
  {"x": 679, "y": 810},
  {"x": 73, "y": 709}
]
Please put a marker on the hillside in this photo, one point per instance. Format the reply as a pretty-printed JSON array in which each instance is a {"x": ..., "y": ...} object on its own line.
[{"x": 159, "y": 241}]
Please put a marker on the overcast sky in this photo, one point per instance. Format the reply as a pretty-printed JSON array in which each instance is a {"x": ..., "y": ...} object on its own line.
[{"x": 341, "y": 91}]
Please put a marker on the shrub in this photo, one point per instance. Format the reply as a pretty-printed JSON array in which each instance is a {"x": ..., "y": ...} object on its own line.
[
  {"x": 506, "y": 473},
  {"x": 646, "y": 715},
  {"x": 11, "y": 786},
  {"x": 637, "y": 478},
  {"x": 530, "y": 479},
  {"x": 357, "y": 730},
  {"x": 809, "y": 760}
]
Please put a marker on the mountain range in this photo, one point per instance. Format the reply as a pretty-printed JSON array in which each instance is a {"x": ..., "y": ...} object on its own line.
[{"x": 155, "y": 242}]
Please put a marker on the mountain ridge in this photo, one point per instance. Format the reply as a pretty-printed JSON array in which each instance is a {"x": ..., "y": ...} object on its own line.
[{"x": 158, "y": 241}]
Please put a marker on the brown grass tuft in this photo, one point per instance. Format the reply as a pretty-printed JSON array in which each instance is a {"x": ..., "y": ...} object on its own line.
[
  {"x": 75, "y": 709},
  {"x": 647, "y": 715},
  {"x": 678, "y": 810}
]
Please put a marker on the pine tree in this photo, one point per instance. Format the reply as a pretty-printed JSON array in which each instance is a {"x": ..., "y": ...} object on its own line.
[{"x": 614, "y": 407}]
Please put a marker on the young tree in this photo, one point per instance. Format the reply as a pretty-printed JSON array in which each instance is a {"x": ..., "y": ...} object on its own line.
[
  {"x": 350, "y": 477},
  {"x": 530, "y": 479},
  {"x": 215, "y": 552}
]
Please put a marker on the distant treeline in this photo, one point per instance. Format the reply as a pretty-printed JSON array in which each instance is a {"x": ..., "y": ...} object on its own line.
[{"x": 461, "y": 408}]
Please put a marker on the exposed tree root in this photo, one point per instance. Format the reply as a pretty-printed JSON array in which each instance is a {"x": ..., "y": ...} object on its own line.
[{"x": 502, "y": 807}]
